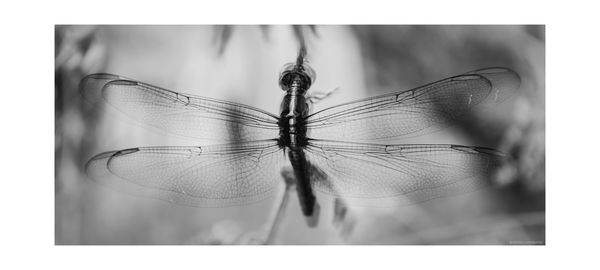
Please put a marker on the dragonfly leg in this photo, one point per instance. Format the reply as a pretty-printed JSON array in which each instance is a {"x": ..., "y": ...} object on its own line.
[{"x": 315, "y": 97}]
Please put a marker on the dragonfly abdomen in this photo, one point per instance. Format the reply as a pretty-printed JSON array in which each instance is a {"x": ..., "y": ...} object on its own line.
[{"x": 303, "y": 186}]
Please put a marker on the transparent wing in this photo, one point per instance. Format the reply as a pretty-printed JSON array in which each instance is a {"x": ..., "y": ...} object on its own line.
[
  {"x": 413, "y": 112},
  {"x": 184, "y": 115},
  {"x": 399, "y": 174},
  {"x": 219, "y": 175}
]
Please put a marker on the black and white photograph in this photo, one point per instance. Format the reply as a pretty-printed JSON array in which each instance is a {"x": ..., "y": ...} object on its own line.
[
  {"x": 299, "y": 135},
  {"x": 284, "y": 134}
]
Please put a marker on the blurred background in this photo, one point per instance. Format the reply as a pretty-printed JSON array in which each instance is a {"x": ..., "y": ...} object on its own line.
[{"x": 242, "y": 64}]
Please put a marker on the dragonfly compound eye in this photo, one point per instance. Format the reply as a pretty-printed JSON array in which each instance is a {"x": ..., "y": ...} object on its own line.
[{"x": 302, "y": 75}]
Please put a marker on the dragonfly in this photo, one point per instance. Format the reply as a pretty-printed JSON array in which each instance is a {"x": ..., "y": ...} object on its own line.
[{"x": 342, "y": 151}]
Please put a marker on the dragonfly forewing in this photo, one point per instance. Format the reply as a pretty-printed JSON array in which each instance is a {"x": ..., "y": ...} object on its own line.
[
  {"x": 180, "y": 114},
  {"x": 413, "y": 112}
]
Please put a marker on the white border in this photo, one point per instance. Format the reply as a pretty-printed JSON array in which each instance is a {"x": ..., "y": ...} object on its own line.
[{"x": 27, "y": 199}]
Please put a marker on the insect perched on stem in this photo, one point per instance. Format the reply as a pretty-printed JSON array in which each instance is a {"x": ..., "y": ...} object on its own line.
[{"x": 338, "y": 151}]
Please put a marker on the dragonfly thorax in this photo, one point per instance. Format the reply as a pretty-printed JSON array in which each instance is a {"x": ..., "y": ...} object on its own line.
[
  {"x": 294, "y": 110},
  {"x": 295, "y": 79}
]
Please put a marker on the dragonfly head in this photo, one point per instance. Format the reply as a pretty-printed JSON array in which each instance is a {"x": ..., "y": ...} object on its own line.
[{"x": 301, "y": 75}]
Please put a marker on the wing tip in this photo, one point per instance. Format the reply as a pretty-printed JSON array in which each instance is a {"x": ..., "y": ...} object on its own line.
[
  {"x": 91, "y": 86},
  {"x": 108, "y": 155},
  {"x": 501, "y": 78}
]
